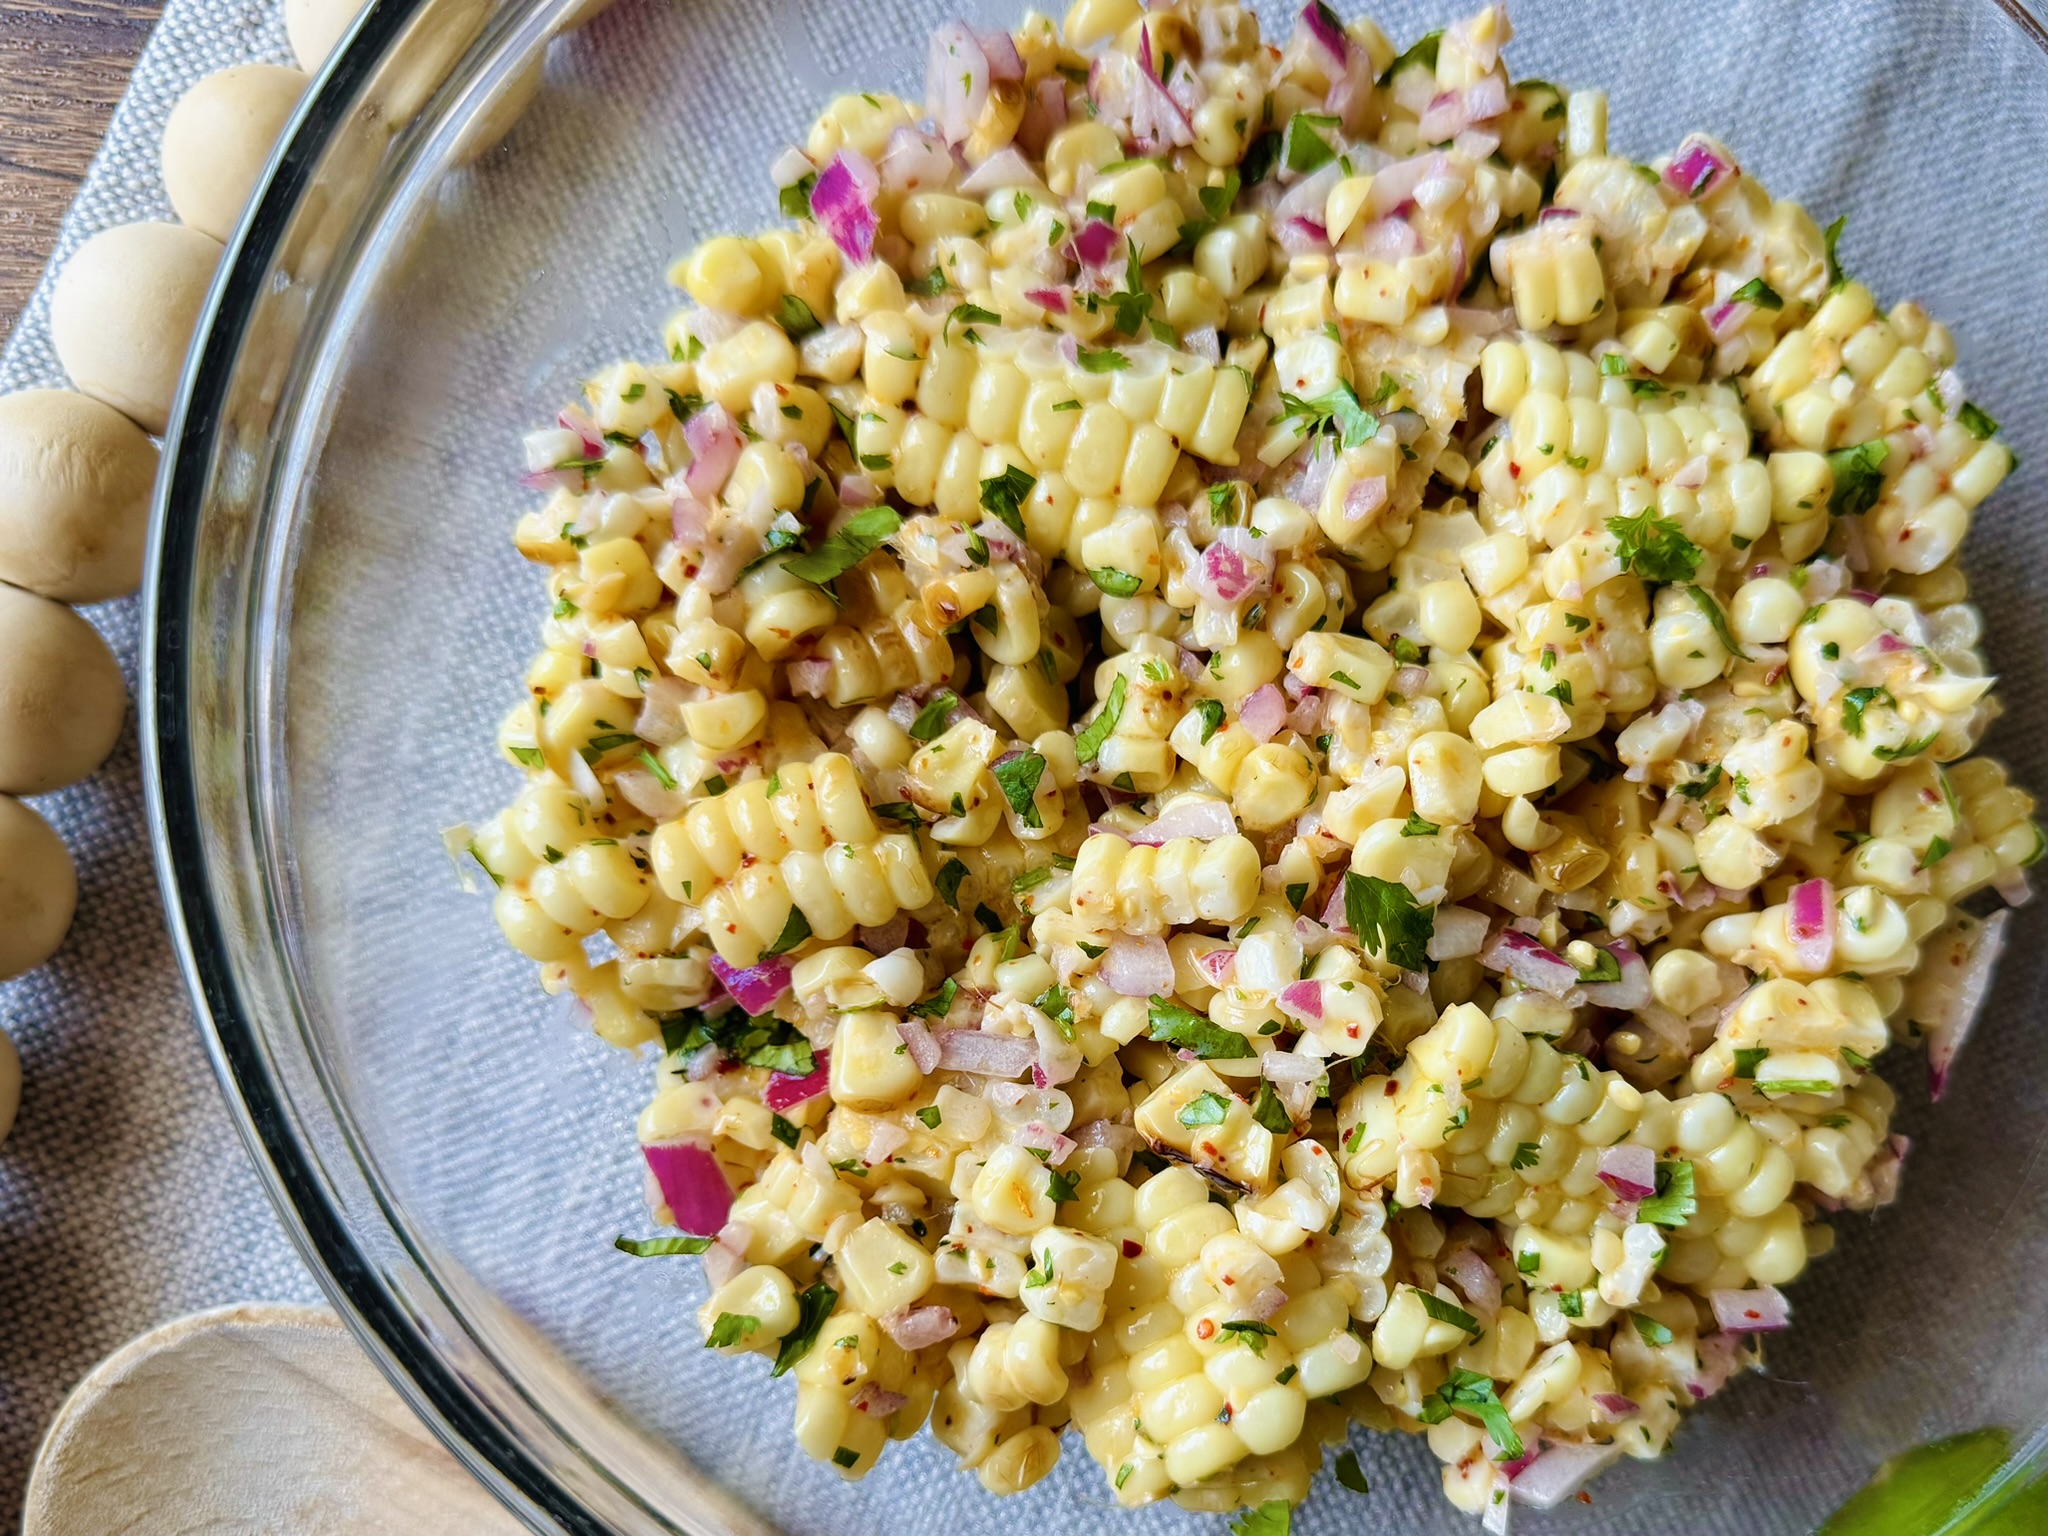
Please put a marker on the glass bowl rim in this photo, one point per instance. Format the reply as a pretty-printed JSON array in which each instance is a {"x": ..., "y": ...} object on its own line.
[{"x": 300, "y": 1191}]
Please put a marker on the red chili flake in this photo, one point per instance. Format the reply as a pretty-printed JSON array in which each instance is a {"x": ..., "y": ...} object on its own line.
[
  {"x": 1205, "y": 1329},
  {"x": 1132, "y": 1249},
  {"x": 1391, "y": 1089},
  {"x": 1584, "y": 1497}
]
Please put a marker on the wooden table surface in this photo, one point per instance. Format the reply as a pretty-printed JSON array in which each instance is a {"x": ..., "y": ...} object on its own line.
[{"x": 63, "y": 65}]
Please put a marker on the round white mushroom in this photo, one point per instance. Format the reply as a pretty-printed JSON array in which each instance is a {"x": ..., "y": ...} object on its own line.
[
  {"x": 38, "y": 889},
  {"x": 218, "y": 138},
  {"x": 123, "y": 312},
  {"x": 315, "y": 26},
  {"x": 75, "y": 482},
  {"x": 61, "y": 696}
]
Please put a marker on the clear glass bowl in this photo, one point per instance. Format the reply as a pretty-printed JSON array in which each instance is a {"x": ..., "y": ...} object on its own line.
[{"x": 340, "y": 620}]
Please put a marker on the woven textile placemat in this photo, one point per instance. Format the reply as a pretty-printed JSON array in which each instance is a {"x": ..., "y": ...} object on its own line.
[{"x": 125, "y": 1195}]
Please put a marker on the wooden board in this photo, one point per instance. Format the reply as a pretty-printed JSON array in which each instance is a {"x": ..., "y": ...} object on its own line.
[{"x": 63, "y": 66}]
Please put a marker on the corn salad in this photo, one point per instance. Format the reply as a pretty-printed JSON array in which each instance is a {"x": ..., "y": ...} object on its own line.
[{"x": 1265, "y": 744}]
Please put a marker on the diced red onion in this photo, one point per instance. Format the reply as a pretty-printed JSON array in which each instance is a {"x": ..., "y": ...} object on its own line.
[
  {"x": 575, "y": 419},
  {"x": 1389, "y": 240},
  {"x": 1559, "y": 1471},
  {"x": 1113, "y": 1134},
  {"x": 1269, "y": 1300},
  {"x": 1720, "y": 1357},
  {"x": 1303, "y": 1001},
  {"x": 1615, "y": 1406},
  {"x": 1698, "y": 168},
  {"x": 1411, "y": 681},
  {"x": 1137, "y": 967},
  {"x": 809, "y": 678},
  {"x": 1963, "y": 998},
  {"x": 1763, "y": 1310},
  {"x": 924, "y": 1050},
  {"x": 1233, "y": 568},
  {"x": 715, "y": 444},
  {"x": 1052, "y": 300},
  {"x": 843, "y": 203},
  {"x": 1045, "y": 113},
  {"x": 660, "y": 719},
  {"x": 857, "y": 490},
  {"x": 915, "y": 161},
  {"x": 1632, "y": 991},
  {"x": 1308, "y": 198},
  {"x": 570, "y": 479},
  {"x": 1203, "y": 342},
  {"x": 1480, "y": 322},
  {"x": 1350, "y": 94},
  {"x": 693, "y": 1186},
  {"x": 689, "y": 519},
  {"x": 1312, "y": 478},
  {"x": 1156, "y": 120},
  {"x": 1195, "y": 816},
  {"x": 728, "y": 1256},
  {"x": 2013, "y": 888},
  {"x": 885, "y": 1140},
  {"x": 1095, "y": 243},
  {"x": 1217, "y": 964},
  {"x": 915, "y": 1328},
  {"x": 1291, "y": 1066},
  {"x": 1460, "y": 931},
  {"x": 1263, "y": 713},
  {"x": 876, "y": 1402},
  {"x": 887, "y": 938},
  {"x": 1321, "y": 28},
  {"x": 1810, "y": 925},
  {"x": 790, "y": 167},
  {"x": 1396, "y": 183},
  {"x": 1301, "y": 236},
  {"x": 955, "y": 80},
  {"x": 1335, "y": 920},
  {"x": 1364, "y": 498},
  {"x": 1629, "y": 1170},
  {"x": 1517, "y": 955},
  {"x": 1724, "y": 320},
  {"x": 1007, "y": 167},
  {"x": 1475, "y": 1280},
  {"x": 783, "y": 1090},
  {"x": 1444, "y": 119},
  {"x": 756, "y": 987},
  {"x": 648, "y": 795},
  {"x": 986, "y": 1055},
  {"x": 1005, "y": 65},
  {"x": 583, "y": 779},
  {"x": 1040, "y": 1137},
  {"x": 1307, "y": 714}
]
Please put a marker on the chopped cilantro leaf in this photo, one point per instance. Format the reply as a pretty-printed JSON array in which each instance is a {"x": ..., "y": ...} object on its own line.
[
  {"x": 1088, "y": 745},
  {"x": 660, "y": 1247},
  {"x": 1654, "y": 547},
  {"x": 1859, "y": 477},
  {"x": 1019, "y": 778},
  {"x": 856, "y": 539},
  {"x": 1384, "y": 916},
  {"x": 814, "y": 1306},
  {"x": 1172, "y": 1024}
]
